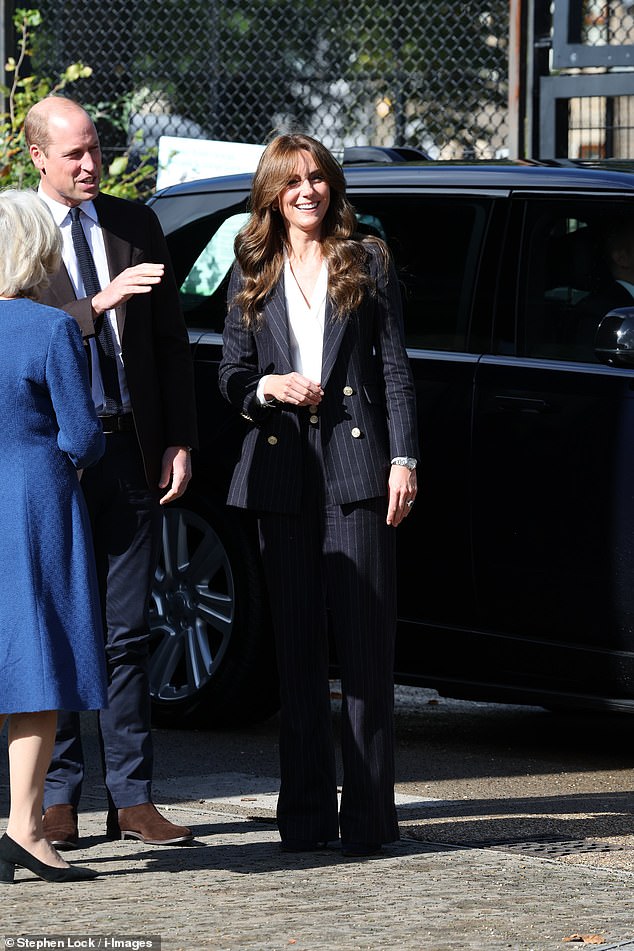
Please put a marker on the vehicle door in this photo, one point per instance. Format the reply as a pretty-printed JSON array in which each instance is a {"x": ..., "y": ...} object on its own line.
[
  {"x": 436, "y": 240},
  {"x": 553, "y": 459},
  {"x": 200, "y": 228}
]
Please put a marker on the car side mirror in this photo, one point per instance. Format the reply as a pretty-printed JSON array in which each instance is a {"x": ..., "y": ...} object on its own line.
[{"x": 614, "y": 340}]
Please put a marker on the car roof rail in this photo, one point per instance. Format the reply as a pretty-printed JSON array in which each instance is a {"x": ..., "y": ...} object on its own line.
[{"x": 367, "y": 154}]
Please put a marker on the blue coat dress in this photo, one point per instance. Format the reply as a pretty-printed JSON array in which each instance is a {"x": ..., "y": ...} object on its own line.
[{"x": 51, "y": 642}]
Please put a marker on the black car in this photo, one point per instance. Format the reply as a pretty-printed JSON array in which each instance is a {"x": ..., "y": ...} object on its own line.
[{"x": 516, "y": 567}]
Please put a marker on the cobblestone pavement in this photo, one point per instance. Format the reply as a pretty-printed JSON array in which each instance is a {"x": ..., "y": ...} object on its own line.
[
  {"x": 496, "y": 864},
  {"x": 233, "y": 889}
]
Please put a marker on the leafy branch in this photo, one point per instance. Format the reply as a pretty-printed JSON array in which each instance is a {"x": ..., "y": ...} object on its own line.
[{"x": 16, "y": 168}]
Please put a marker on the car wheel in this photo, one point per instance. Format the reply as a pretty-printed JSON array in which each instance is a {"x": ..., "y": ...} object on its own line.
[{"x": 212, "y": 661}]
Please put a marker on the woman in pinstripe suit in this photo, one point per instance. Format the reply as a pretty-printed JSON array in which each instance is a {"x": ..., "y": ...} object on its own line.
[{"x": 314, "y": 359}]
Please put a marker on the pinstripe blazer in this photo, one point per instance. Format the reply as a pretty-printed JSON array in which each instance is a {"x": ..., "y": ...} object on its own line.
[{"x": 366, "y": 417}]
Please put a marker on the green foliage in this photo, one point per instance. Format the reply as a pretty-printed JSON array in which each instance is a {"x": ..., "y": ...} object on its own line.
[{"x": 16, "y": 168}]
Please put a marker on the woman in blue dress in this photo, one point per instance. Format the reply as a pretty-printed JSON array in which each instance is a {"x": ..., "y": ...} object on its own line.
[{"x": 51, "y": 642}]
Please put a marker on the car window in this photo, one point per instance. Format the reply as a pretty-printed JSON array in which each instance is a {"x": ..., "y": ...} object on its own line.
[
  {"x": 570, "y": 277},
  {"x": 203, "y": 289},
  {"x": 214, "y": 261},
  {"x": 436, "y": 244}
]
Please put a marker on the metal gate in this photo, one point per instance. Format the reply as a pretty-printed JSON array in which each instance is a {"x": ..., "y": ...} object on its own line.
[{"x": 583, "y": 80}]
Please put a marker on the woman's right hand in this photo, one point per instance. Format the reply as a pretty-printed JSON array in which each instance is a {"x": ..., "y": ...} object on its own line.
[{"x": 293, "y": 388}]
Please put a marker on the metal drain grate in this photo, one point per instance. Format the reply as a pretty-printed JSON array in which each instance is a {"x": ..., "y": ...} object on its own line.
[{"x": 551, "y": 845}]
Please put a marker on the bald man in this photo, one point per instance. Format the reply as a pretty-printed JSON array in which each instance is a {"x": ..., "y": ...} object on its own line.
[{"x": 116, "y": 280}]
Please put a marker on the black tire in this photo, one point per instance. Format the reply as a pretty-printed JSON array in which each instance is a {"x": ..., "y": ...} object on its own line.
[{"x": 212, "y": 659}]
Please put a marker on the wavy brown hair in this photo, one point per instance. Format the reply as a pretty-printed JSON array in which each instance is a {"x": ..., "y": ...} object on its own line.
[{"x": 259, "y": 245}]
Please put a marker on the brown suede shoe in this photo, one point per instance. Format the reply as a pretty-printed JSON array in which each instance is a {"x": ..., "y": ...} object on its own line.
[
  {"x": 60, "y": 826},
  {"x": 145, "y": 822}
]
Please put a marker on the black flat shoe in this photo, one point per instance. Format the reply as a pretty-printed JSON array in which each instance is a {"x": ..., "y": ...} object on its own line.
[
  {"x": 302, "y": 845},
  {"x": 12, "y": 854},
  {"x": 360, "y": 850}
]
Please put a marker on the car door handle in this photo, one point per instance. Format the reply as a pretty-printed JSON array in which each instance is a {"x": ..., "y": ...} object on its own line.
[{"x": 521, "y": 404}]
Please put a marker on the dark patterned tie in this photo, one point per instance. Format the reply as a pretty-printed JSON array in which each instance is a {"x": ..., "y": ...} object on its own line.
[{"x": 106, "y": 342}]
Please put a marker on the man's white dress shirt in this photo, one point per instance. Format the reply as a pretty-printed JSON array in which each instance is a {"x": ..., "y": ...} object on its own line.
[{"x": 94, "y": 236}]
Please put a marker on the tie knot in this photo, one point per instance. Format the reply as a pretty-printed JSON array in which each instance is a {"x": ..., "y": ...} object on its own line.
[{"x": 74, "y": 213}]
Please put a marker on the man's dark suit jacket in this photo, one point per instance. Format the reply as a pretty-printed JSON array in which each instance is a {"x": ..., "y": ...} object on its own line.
[
  {"x": 367, "y": 415},
  {"x": 155, "y": 345}
]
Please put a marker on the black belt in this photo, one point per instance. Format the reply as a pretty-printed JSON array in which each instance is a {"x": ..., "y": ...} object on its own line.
[{"x": 122, "y": 423}]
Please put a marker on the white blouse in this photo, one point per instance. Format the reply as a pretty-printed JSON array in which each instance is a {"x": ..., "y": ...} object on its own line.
[{"x": 306, "y": 321}]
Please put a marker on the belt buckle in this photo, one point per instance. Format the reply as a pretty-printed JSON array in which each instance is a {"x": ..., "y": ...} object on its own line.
[{"x": 116, "y": 423}]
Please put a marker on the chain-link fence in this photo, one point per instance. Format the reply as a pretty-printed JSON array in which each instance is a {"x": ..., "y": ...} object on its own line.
[
  {"x": 432, "y": 75},
  {"x": 610, "y": 23}
]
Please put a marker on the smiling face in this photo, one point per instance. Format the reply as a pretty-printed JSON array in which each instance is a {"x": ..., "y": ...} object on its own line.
[
  {"x": 71, "y": 165},
  {"x": 304, "y": 201}
]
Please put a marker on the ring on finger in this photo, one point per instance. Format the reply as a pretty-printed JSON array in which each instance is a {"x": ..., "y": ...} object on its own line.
[{"x": 409, "y": 503}]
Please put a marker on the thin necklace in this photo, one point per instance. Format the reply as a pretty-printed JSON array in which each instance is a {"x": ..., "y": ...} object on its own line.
[{"x": 299, "y": 286}]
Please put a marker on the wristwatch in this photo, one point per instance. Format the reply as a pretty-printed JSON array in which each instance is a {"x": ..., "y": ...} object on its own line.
[{"x": 406, "y": 461}]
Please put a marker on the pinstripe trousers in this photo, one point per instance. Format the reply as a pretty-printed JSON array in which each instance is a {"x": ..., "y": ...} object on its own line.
[{"x": 332, "y": 567}]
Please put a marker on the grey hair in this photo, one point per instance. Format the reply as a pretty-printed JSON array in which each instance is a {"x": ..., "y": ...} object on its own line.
[{"x": 30, "y": 244}]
